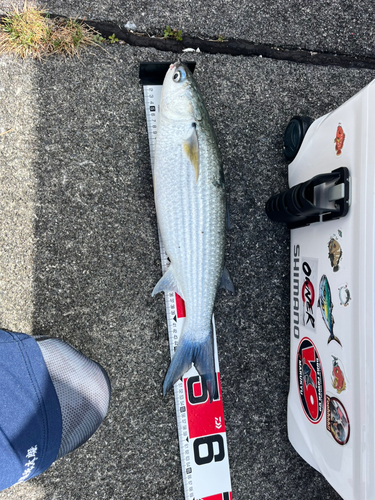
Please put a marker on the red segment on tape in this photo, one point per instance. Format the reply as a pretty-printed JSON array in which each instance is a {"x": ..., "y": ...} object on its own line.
[
  {"x": 180, "y": 306},
  {"x": 204, "y": 418},
  {"x": 220, "y": 496}
]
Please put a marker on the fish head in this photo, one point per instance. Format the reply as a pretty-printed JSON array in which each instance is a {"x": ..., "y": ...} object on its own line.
[{"x": 180, "y": 99}]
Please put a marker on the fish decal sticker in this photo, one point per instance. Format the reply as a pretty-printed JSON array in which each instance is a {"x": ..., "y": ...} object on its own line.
[
  {"x": 334, "y": 254},
  {"x": 337, "y": 420},
  {"x": 339, "y": 140},
  {"x": 326, "y": 306},
  {"x": 338, "y": 376}
]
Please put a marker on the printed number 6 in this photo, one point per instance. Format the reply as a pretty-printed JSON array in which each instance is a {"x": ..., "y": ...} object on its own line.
[{"x": 209, "y": 441}]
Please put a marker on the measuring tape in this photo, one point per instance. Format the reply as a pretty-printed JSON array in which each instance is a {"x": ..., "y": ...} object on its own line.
[{"x": 201, "y": 426}]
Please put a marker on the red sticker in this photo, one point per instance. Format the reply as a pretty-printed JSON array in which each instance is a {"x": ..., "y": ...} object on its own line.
[
  {"x": 310, "y": 380},
  {"x": 339, "y": 140}
]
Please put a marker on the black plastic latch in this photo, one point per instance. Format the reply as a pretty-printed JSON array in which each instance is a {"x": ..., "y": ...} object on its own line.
[
  {"x": 324, "y": 197},
  {"x": 153, "y": 73}
]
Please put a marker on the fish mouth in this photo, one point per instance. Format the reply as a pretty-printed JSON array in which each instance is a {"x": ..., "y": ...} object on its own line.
[{"x": 175, "y": 65}]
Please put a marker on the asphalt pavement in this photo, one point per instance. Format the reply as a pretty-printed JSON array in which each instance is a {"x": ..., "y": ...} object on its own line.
[{"x": 80, "y": 254}]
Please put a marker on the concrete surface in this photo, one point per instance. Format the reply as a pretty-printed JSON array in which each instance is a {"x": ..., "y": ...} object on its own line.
[{"x": 80, "y": 257}]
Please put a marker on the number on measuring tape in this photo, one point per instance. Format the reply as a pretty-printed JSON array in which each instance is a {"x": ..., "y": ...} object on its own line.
[{"x": 209, "y": 454}]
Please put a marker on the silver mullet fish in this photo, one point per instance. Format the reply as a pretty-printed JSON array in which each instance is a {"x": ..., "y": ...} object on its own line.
[{"x": 191, "y": 210}]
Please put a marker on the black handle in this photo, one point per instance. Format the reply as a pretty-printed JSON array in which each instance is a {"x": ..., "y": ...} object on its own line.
[{"x": 326, "y": 195}]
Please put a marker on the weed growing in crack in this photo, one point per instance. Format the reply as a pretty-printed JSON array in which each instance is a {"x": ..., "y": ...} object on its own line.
[
  {"x": 173, "y": 33},
  {"x": 113, "y": 38},
  {"x": 98, "y": 39}
]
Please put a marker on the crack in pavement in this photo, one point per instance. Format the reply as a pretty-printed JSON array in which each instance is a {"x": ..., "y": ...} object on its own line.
[{"x": 234, "y": 47}]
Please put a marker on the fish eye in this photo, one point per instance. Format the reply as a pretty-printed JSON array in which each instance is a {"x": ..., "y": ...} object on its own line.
[{"x": 179, "y": 75}]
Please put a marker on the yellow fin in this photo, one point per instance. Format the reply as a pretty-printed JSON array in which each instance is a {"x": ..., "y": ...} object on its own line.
[{"x": 191, "y": 148}]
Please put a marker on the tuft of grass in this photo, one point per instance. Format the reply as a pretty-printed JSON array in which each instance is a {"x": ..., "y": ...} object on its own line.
[
  {"x": 173, "y": 33},
  {"x": 30, "y": 32}
]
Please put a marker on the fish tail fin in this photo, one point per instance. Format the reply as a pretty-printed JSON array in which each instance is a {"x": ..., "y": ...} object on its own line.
[
  {"x": 199, "y": 353},
  {"x": 333, "y": 337}
]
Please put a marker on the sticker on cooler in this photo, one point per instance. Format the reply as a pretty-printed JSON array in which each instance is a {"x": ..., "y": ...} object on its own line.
[
  {"x": 339, "y": 139},
  {"x": 309, "y": 278},
  {"x": 310, "y": 380},
  {"x": 335, "y": 253},
  {"x": 338, "y": 375},
  {"x": 344, "y": 295},
  {"x": 337, "y": 421},
  {"x": 326, "y": 306}
]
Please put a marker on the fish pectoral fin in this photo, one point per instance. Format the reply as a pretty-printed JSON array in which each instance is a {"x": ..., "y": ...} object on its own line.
[
  {"x": 226, "y": 281},
  {"x": 167, "y": 283},
  {"x": 191, "y": 149}
]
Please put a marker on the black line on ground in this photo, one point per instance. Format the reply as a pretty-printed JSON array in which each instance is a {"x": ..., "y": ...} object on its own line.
[{"x": 234, "y": 47}]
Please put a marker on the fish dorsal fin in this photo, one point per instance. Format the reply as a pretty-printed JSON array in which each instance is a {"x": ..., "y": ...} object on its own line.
[
  {"x": 226, "y": 281},
  {"x": 167, "y": 283},
  {"x": 191, "y": 149}
]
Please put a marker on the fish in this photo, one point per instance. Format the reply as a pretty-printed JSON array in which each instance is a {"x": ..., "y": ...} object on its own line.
[
  {"x": 338, "y": 379},
  {"x": 190, "y": 200},
  {"x": 339, "y": 140},
  {"x": 334, "y": 253},
  {"x": 326, "y": 306}
]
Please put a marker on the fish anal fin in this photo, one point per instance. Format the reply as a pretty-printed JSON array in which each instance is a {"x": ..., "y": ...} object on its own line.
[
  {"x": 226, "y": 281},
  {"x": 167, "y": 283},
  {"x": 228, "y": 224},
  {"x": 191, "y": 149}
]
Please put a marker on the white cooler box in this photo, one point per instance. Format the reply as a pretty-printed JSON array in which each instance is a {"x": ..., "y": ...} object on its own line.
[{"x": 331, "y": 398}]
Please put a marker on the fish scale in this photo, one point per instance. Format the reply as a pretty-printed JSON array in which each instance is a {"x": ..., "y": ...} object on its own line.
[{"x": 191, "y": 216}]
